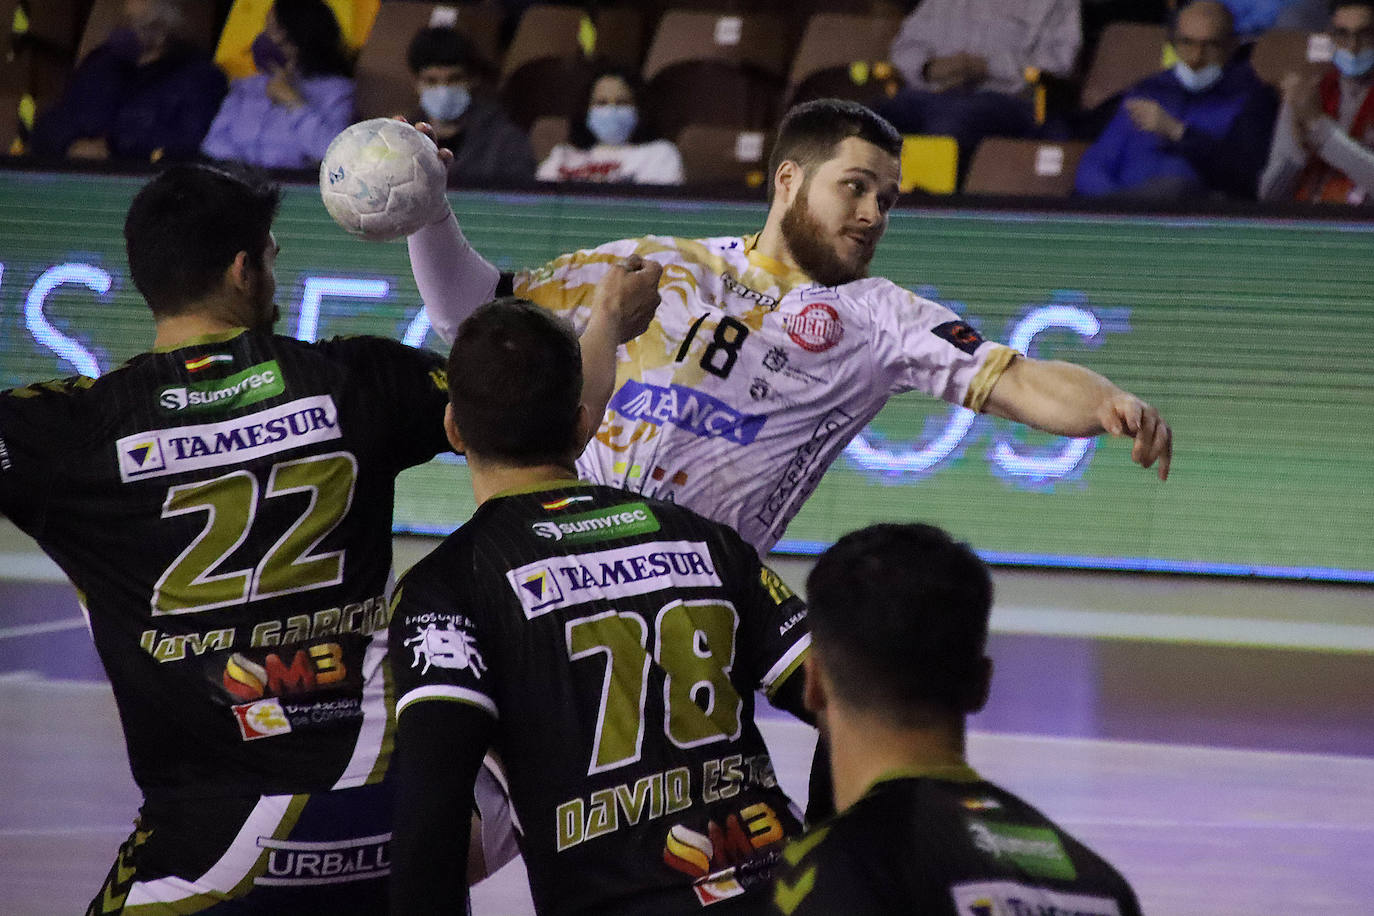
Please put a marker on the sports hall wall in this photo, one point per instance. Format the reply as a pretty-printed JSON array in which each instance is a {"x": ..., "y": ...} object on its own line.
[{"x": 1254, "y": 335}]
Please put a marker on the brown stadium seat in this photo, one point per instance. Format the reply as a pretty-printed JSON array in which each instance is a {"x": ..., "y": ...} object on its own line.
[
  {"x": 1024, "y": 168},
  {"x": 711, "y": 68},
  {"x": 200, "y": 25},
  {"x": 384, "y": 83},
  {"x": 1280, "y": 51},
  {"x": 716, "y": 155},
  {"x": 546, "y": 70},
  {"x": 837, "y": 57},
  {"x": 1127, "y": 52},
  {"x": 547, "y": 132}
]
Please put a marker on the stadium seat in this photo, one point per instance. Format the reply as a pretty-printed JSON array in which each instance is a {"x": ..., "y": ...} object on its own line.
[
  {"x": 246, "y": 17},
  {"x": 200, "y": 25},
  {"x": 385, "y": 85},
  {"x": 1281, "y": 51},
  {"x": 842, "y": 56},
  {"x": 546, "y": 68},
  {"x": 707, "y": 68},
  {"x": 1024, "y": 168},
  {"x": 39, "y": 51},
  {"x": 547, "y": 132},
  {"x": 716, "y": 155},
  {"x": 930, "y": 163},
  {"x": 1127, "y": 52}
]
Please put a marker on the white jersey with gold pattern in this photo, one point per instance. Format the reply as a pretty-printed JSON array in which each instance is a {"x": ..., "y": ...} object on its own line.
[{"x": 752, "y": 379}]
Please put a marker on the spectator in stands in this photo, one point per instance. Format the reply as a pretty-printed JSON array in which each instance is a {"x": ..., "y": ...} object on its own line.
[
  {"x": 145, "y": 94},
  {"x": 1201, "y": 127},
  {"x": 301, "y": 97},
  {"x": 612, "y": 139},
  {"x": 969, "y": 66},
  {"x": 1325, "y": 131},
  {"x": 450, "y": 75}
]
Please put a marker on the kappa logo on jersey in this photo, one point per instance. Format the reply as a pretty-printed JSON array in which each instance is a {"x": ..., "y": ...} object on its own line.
[
  {"x": 620, "y": 573},
  {"x": 744, "y": 292},
  {"x": 815, "y": 328},
  {"x": 685, "y": 408},
  {"x": 600, "y": 524},
  {"x": 1010, "y": 898},
  {"x": 960, "y": 334},
  {"x": 262, "y": 719},
  {"x": 445, "y": 647},
  {"x": 159, "y": 452},
  {"x": 257, "y": 383}
]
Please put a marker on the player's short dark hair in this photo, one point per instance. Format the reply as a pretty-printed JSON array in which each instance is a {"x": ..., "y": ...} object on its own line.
[
  {"x": 313, "y": 29},
  {"x": 515, "y": 381},
  {"x": 186, "y": 226},
  {"x": 809, "y": 133},
  {"x": 444, "y": 46},
  {"x": 1341, "y": 4},
  {"x": 899, "y": 617}
]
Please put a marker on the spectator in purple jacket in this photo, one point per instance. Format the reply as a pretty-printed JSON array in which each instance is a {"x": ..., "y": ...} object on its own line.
[
  {"x": 302, "y": 95},
  {"x": 1201, "y": 128},
  {"x": 145, "y": 94}
]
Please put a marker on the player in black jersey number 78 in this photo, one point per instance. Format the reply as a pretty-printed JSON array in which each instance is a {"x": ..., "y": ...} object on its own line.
[
  {"x": 223, "y": 505},
  {"x": 606, "y": 646}
]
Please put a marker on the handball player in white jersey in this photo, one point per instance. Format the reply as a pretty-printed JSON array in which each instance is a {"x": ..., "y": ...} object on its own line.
[{"x": 771, "y": 351}]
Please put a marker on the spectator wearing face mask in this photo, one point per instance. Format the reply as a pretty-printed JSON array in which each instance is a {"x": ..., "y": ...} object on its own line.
[
  {"x": 144, "y": 94},
  {"x": 487, "y": 147},
  {"x": 1324, "y": 143},
  {"x": 284, "y": 116},
  {"x": 612, "y": 140},
  {"x": 1200, "y": 128}
]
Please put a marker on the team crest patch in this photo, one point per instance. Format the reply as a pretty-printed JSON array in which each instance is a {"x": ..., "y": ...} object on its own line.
[
  {"x": 445, "y": 647},
  {"x": 959, "y": 334},
  {"x": 816, "y": 328}
]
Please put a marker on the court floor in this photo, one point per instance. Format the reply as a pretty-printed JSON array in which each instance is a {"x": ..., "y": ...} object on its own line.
[{"x": 1199, "y": 831}]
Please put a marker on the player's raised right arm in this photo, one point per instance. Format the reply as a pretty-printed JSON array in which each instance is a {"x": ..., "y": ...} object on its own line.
[{"x": 453, "y": 277}]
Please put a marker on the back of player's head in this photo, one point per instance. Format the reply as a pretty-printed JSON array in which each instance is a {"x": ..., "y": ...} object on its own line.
[
  {"x": 809, "y": 133},
  {"x": 515, "y": 382},
  {"x": 899, "y": 619},
  {"x": 186, "y": 226}
]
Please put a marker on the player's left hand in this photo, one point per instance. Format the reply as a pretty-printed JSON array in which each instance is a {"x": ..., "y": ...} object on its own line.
[
  {"x": 1126, "y": 415},
  {"x": 629, "y": 289}
]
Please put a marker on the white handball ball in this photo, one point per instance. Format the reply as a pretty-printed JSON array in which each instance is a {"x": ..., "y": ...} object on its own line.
[{"x": 382, "y": 179}]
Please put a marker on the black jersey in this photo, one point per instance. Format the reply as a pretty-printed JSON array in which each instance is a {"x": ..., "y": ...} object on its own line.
[
  {"x": 618, "y": 641},
  {"x": 224, "y": 510},
  {"x": 949, "y": 846}
]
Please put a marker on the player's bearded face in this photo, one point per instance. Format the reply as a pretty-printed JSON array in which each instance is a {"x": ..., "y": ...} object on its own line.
[{"x": 816, "y": 249}]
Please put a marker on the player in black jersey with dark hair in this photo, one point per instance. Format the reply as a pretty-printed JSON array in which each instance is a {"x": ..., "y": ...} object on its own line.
[
  {"x": 605, "y": 645},
  {"x": 223, "y": 505},
  {"x": 899, "y": 616}
]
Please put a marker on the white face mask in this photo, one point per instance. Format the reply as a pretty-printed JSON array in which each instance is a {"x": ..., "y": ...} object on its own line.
[
  {"x": 1351, "y": 64},
  {"x": 1197, "y": 80},
  {"x": 445, "y": 103},
  {"x": 612, "y": 124}
]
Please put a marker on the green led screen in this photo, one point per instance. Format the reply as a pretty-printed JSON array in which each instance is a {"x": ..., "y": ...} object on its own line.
[{"x": 1254, "y": 337}]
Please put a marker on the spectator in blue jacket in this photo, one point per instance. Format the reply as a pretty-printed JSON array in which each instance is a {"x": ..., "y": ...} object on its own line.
[
  {"x": 1200, "y": 128},
  {"x": 301, "y": 97},
  {"x": 143, "y": 95}
]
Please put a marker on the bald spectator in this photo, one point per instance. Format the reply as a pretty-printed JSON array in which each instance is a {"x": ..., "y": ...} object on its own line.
[
  {"x": 144, "y": 94},
  {"x": 966, "y": 65},
  {"x": 1201, "y": 127}
]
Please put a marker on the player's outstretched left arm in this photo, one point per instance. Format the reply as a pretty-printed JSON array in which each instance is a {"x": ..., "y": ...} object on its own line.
[{"x": 1069, "y": 400}]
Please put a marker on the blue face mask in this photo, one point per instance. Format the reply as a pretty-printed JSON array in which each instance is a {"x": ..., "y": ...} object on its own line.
[
  {"x": 612, "y": 124},
  {"x": 1352, "y": 64},
  {"x": 445, "y": 103},
  {"x": 1197, "y": 80}
]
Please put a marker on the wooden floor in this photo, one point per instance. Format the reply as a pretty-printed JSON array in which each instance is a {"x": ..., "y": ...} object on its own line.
[{"x": 1199, "y": 831}]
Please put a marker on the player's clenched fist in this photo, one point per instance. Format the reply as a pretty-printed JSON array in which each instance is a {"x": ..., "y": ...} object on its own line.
[
  {"x": 629, "y": 290},
  {"x": 1127, "y": 415}
]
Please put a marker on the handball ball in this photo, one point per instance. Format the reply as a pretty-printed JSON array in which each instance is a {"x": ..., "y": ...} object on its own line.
[{"x": 381, "y": 179}]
